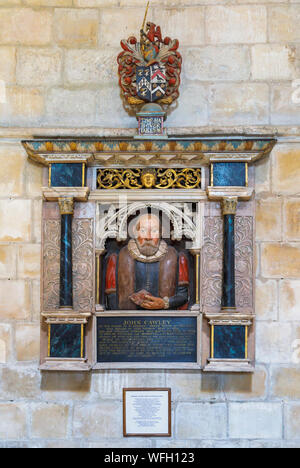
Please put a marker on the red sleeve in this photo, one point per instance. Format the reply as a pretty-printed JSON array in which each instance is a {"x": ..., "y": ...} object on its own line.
[
  {"x": 183, "y": 270},
  {"x": 110, "y": 280}
]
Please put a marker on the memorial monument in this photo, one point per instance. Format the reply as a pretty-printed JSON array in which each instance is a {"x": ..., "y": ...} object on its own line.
[{"x": 148, "y": 241}]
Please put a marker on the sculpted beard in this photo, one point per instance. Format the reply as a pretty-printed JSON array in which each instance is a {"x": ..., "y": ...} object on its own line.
[{"x": 148, "y": 248}]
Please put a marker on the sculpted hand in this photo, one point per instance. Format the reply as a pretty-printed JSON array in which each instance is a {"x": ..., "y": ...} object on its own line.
[{"x": 153, "y": 303}]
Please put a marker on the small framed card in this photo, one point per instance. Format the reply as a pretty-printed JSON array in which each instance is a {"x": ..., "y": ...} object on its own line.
[{"x": 147, "y": 412}]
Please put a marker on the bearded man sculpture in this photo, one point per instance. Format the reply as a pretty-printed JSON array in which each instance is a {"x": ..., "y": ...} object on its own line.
[{"x": 147, "y": 273}]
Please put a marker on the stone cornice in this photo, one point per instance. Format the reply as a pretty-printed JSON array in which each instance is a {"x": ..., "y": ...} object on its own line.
[
  {"x": 57, "y": 317},
  {"x": 224, "y": 318},
  {"x": 114, "y": 196},
  {"x": 127, "y": 151},
  {"x": 77, "y": 193},
  {"x": 219, "y": 193},
  {"x": 239, "y": 131}
]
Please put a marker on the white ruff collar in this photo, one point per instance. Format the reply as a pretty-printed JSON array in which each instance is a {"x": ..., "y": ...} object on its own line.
[{"x": 137, "y": 255}]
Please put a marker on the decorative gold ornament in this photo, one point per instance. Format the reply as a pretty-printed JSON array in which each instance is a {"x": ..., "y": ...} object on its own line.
[
  {"x": 179, "y": 178},
  {"x": 151, "y": 178},
  {"x": 119, "y": 178},
  {"x": 166, "y": 101},
  {"x": 148, "y": 178},
  {"x": 66, "y": 205},
  {"x": 133, "y": 101},
  {"x": 229, "y": 205}
]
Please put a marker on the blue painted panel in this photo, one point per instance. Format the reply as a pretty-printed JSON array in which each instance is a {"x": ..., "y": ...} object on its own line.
[
  {"x": 66, "y": 175},
  {"x": 229, "y": 342},
  {"x": 229, "y": 174},
  {"x": 65, "y": 341}
]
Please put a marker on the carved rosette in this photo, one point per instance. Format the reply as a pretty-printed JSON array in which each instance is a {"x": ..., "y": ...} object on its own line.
[{"x": 211, "y": 280}]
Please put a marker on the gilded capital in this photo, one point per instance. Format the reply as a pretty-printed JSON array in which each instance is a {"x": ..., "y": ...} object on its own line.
[
  {"x": 229, "y": 205},
  {"x": 66, "y": 205}
]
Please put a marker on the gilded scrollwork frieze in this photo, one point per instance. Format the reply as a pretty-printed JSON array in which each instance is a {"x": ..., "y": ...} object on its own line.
[{"x": 149, "y": 178}]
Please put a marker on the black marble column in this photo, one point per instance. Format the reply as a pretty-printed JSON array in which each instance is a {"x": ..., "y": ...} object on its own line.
[
  {"x": 66, "y": 269},
  {"x": 228, "y": 291}
]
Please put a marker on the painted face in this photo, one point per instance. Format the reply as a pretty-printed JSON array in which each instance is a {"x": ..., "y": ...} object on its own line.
[
  {"x": 148, "y": 234},
  {"x": 148, "y": 180}
]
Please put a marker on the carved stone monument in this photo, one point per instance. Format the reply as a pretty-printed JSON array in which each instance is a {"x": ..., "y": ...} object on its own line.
[
  {"x": 148, "y": 241},
  {"x": 148, "y": 252}
]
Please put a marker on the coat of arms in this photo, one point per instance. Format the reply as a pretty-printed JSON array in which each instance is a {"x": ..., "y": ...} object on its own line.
[{"x": 149, "y": 69}]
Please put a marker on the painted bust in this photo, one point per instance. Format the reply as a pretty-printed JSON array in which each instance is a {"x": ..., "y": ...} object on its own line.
[{"x": 147, "y": 273}]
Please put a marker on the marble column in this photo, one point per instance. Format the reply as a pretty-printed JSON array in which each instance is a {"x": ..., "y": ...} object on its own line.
[
  {"x": 66, "y": 206},
  {"x": 229, "y": 206},
  {"x": 99, "y": 257},
  {"x": 196, "y": 253}
]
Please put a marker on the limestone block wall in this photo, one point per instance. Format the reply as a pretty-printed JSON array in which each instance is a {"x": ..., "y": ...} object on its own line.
[
  {"x": 58, "y": 77},
  {"x": 58, "y": 60}
]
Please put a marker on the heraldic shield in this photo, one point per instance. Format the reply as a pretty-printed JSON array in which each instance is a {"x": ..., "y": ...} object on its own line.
[{"x": 151, "y": 82}]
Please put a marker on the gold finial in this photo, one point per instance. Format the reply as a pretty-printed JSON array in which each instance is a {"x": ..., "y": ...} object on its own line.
[{"x": 145, "y": 15}]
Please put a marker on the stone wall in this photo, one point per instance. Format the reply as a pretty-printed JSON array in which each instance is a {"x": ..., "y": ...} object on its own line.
[
  {"x": 58, "y": 60},
  {"x": 57, "y": 67}
]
